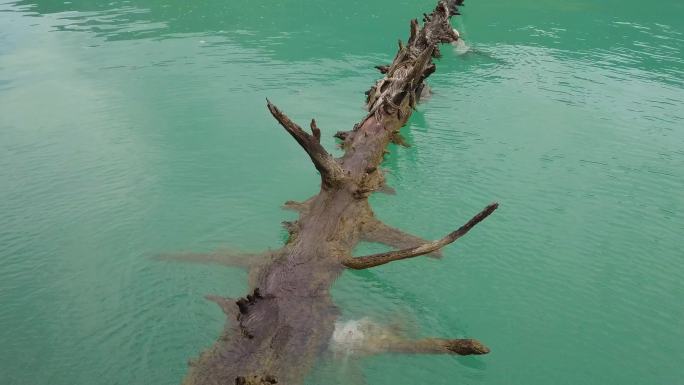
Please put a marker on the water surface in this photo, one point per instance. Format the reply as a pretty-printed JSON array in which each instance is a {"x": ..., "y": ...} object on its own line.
[{"x": 130, "y": 128}]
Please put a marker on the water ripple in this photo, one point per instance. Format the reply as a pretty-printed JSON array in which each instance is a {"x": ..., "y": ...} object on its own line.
[{"x": 129, "y": 129}]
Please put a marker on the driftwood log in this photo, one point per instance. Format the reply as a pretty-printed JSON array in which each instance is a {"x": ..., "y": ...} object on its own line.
[{"x": 275, "y": 334}]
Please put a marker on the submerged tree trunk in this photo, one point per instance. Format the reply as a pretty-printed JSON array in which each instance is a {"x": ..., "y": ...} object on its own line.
[{"x": 275, "y": 333}]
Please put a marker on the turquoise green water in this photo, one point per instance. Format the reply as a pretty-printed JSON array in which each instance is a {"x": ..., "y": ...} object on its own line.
[{"x": 130, "y": 128}]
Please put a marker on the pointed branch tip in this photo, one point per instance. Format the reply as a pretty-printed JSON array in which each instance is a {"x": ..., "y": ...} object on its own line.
[{"x": 315, "y": 130}]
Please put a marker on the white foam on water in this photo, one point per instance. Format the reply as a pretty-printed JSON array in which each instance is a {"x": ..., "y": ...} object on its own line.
[
  {"x": 349, "y": 335},
  {"x": 460, "y": 47}
]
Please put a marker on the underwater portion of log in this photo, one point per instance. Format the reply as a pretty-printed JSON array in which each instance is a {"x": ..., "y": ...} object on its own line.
[{"x": 275, "y": 334}]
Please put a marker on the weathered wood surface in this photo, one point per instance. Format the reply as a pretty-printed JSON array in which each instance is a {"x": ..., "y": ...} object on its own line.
[{"x": 275, "y": 334}]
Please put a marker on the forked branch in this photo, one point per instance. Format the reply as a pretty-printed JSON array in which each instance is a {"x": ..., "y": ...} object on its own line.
[
  {"x": 327, "y": 166},
  {"x": 359, "y": 263}
]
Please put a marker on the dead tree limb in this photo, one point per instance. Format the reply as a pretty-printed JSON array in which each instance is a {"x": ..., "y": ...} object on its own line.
[
  {"x": 379, "y": 232},
  {"x": 327, "y": 166},
  {"x": 379, "y": 339},
  {"x": 288, "y": 319},
  {"x": 373, "y": 260},
  {"x": 461, "y": 347},
  {"x": 230, "y": 258},
  {"x": 228, "y": 305}
]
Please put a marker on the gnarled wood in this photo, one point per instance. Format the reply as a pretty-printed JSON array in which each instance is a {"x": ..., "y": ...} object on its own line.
[{"x": 288, "y": 319}]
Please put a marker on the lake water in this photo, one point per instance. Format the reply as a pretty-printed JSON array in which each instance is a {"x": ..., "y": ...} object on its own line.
[{"x": 132, "y": 128}]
